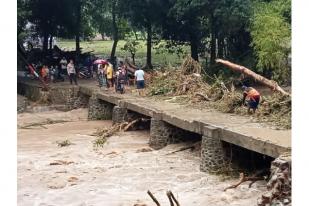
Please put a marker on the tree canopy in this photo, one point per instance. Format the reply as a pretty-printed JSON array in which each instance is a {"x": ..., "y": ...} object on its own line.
[{"x": 256, "y": 33}]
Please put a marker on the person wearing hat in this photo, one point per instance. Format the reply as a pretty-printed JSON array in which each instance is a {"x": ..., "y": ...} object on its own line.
[
  {"x": 120, "y": 79},
  {"x": 251, "y": 98}
]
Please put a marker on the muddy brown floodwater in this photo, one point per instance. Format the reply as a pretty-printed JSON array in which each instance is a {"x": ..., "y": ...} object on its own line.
[{"x": 119, "y": 174}]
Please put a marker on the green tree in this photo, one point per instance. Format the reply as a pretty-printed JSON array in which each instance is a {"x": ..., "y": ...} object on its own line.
[
  {"x": 271, "y": 37},
  {"x": 185, "y": 23},
  {"x": 44, "y": 16},
  {"x": 147, "y": 15},
  {"x": 131, "y": 46},
  {"x": 23, "y": 14},
  {"x": 63, "y": 18},
  {"x": 108, "y": 19}
]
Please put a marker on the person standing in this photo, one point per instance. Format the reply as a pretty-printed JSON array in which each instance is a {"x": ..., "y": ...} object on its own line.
[
  {"x": 140, "y": 82},
  {"x": 102, "y": 76},
  {"x": 72, "y": 72},
  {"x": 63, "y": 63},
  {"x": 109, "y": 73},
  {"x": 44, "y": 73},
  {"x": 124, "y": 71}
]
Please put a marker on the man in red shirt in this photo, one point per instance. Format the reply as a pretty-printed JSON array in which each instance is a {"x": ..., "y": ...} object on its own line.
[{"x": 251, "y": 98}]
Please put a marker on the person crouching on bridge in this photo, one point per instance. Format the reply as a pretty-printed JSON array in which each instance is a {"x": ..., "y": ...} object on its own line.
[{"x": 251, "y": 98}]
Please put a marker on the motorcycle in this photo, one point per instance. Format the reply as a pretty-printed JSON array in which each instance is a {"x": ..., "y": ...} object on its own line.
[{"x": 84, "y": 73}]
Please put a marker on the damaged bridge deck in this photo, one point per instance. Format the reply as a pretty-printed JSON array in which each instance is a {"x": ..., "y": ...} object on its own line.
[{"x": 238, "y": 130}]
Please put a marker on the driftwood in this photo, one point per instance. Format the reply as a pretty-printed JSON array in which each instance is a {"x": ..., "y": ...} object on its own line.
[
  {"x": 243, "y": 178},
  {"x": 130, "y": 124},
  {"x": 269, "y": 83},
  {"x": 169, "y": 193},
  {"x": 153, "y": 198},
  {"x": 104, "y": 133},
  {"x": 204, "y": 97},
  {"x": 192, "y": 146},
  {"x": 170, "y": 196}
]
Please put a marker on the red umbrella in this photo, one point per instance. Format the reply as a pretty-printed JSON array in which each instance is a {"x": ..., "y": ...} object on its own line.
[{"x": 100, "y": 61}]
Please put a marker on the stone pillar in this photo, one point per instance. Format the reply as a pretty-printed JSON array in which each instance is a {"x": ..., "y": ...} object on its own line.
[
  {"x": 162, "y": 134},
  {"x": 119, "y": 114},
  {"x": 81, "y": 101},
  {"x": 279, "y": 185},
  {"x": 158, "y": 134},
  {"x": 22, "y": 103},
  {"x": 98, "y": 109},
  {"x": 213, "y": 157}
]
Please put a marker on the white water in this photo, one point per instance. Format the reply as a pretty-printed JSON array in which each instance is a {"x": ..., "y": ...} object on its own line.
[{"x": 118, "y": 174}]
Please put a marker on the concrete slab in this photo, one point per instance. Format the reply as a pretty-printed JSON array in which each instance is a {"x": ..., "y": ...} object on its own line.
[{"x": 235, "y": 129}]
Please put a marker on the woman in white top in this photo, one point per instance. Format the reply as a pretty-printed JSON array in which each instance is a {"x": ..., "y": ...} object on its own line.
[{"x": 72, "y": 72}]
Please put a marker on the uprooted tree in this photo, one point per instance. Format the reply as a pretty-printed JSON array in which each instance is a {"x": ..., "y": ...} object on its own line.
[{"x": 269, "y": 83}]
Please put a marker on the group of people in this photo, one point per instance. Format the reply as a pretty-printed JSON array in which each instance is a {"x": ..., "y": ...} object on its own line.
[
  {"x": 64, "y": 68},
  {"x": 109, "y": 78},
  {"x": 106, "y": 75}
]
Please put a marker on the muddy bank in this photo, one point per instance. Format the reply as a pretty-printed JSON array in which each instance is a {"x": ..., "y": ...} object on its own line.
[{"x": 120, "y": 173}]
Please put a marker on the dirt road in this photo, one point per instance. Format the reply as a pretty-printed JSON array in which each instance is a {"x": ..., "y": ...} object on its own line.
[{"x": 119, "y": 174}]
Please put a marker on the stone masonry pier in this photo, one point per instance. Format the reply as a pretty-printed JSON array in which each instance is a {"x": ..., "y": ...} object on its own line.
[{"x": 170, "y": 120}]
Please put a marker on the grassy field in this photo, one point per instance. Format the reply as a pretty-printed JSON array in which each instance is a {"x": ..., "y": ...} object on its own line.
[{"x": 103, "y": 48}]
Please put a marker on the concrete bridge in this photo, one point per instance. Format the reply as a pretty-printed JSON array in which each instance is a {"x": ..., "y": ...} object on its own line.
[{"x": 171, "y": 122}]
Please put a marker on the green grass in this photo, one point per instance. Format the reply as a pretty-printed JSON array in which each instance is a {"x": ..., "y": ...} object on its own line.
[{"x": 103, "y": 48}]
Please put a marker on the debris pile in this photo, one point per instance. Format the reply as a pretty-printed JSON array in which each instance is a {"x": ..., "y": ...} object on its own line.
[
  {"x": 280, "y": 183},
  {"x": 277, "y": 109},
  {"x": 187, "y": 82},
  {"x": 190, "y": 66}
]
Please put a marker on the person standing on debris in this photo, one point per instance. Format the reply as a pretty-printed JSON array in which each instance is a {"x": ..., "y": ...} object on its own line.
[
  {"x": 251, "y": 98},
  {"x": 109, "y": 73},
  {"x": 140, "y": 82},
  {"x": 72, "y": 72}
]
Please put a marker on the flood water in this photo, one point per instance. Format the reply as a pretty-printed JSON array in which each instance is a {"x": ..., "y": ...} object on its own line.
[{"x": 119, "y": 174}]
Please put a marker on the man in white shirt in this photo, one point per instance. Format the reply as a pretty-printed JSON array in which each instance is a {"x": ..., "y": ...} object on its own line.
[{"x": 140, "y": 81}]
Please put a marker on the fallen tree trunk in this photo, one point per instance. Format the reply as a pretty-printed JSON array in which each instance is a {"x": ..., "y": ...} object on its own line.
[{"x": 269, "y": 83}]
